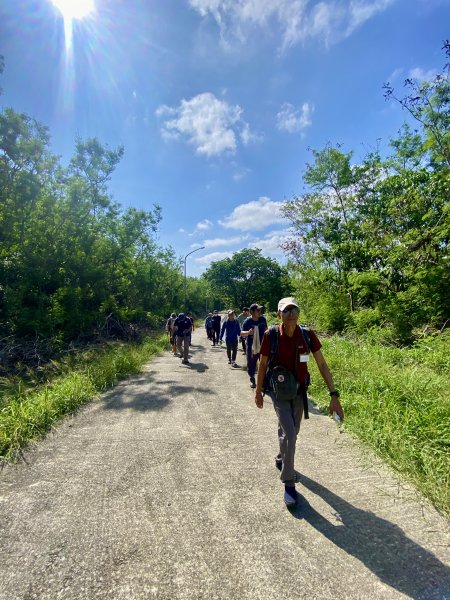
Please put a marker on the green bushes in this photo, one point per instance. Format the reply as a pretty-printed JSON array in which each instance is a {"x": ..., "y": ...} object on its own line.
[
  {"x": 29, "y": 414},
  {"x": 396, "y": 401}
]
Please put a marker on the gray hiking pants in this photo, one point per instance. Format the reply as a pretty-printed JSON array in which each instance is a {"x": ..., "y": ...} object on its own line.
[
  {"x": 289, "y": 413},
  {"x": 185, "y": 339}
]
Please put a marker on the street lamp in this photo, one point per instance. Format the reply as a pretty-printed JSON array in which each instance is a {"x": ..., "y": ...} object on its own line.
[{"x": 201, "y": 248}]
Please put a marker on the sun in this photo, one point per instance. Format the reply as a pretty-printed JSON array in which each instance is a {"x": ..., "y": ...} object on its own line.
[{"x": 74, "y": 9}]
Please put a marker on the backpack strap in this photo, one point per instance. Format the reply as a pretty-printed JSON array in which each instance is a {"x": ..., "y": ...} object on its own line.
[
  {"x": 273, "y": 334},
  {"x": 306, "y": 335}
]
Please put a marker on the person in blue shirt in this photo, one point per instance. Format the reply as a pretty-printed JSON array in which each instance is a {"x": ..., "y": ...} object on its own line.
[
  {"x": 183, "y": 328},
  {"x": 209, "y": 326},
  {"x": 253, "y": 330},
  {"x": 233, "y": 330}
]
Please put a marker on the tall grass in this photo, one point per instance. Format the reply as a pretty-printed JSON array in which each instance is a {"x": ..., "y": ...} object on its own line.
[
  {"x": 397, "y": 401},
  {"x": 28, "y": 413}
]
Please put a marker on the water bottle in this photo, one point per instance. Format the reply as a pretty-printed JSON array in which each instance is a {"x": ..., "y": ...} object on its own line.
[{"x": 337, "y": 420}]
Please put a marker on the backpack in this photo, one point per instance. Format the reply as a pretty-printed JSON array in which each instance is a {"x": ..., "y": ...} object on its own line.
[{"x": 273, "y": 334}]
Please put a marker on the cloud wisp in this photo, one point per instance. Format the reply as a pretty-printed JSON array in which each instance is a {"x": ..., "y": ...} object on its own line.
[
  {"x": 217, "y": 242},
  {"x": 207, "y": 259},
  {"x": 294, "y": 20},
  {"x": 294, "y": 120},
  {"x": 270, "y": 244}
]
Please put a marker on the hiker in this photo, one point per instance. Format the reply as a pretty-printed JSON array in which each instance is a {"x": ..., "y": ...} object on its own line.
[
  {"x": 253, "y": 330},
  {"x": 183, "y": 328},
  {"x": 284, "y": 359},
  {"x": 169, "y": 329},
  {"x": 216, "y": 322},
  {"x": 241, "y": 318},
  {"x": 191, "y": 319},
  {"x": 209, "y": 325},
  {"x": 232, "y": 329}
]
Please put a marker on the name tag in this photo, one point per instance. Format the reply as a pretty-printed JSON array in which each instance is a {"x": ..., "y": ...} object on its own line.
[{"x": 304, "y": 357}]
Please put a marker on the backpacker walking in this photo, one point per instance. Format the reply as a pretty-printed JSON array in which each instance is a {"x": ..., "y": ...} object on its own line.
[
  {"x": 231, "y": 328},
  {"x": 216, "y": 327},
  {"x": 171, "y": 333},
  {"x": 183, "y": 328},
  {"x": 286, "y": 367},
  {"x": 253, "y": 330}
]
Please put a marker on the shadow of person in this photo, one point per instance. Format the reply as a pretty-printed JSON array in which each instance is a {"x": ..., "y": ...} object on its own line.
[
  {"x": 380, "y": 545},
  {"x": 199, "y": 366}
]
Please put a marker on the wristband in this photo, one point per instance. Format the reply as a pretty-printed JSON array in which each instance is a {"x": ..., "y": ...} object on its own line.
[{"x": 334, "y": 393}]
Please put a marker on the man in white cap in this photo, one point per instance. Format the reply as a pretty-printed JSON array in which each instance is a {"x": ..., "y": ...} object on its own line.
[{"x": 284, "y": 357}]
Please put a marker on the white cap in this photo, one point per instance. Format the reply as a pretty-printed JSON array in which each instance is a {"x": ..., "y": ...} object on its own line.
[{"x": 287, "y": 302}]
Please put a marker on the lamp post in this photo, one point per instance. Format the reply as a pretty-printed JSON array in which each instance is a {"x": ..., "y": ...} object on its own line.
[{"x": 201, "y": 248}]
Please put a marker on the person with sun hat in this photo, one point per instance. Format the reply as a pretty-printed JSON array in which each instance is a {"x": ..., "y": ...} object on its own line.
[{"x": 284, "y": 357}]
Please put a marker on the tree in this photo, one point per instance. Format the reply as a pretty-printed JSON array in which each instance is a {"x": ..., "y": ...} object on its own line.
[
  {"x": 248, "y": 277},
  {"x": 428, "y": 102},
  {"x": 377, "y": 232}
]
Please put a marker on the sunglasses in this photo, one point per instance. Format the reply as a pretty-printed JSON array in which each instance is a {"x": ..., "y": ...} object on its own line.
[{"x": 293, "y": 309}]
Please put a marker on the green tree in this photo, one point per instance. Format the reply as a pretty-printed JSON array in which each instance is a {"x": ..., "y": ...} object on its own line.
[{"x": 248, "y": 277}]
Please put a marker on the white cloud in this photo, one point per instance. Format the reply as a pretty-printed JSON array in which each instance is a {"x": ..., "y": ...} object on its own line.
[
  {"x": 361, "y": 11},
  {"x": 294, "y": 120},
  {"x": 294, "y": 20},
  {"x": 254, "y": 215},
  {"x": 422, "y": 75},
  {"x": 248, "y": 136},
  {"x": 270, "y": 244},
  {"x": 214, "y": 243},
  {"x": 213, "y": 256},
  {"x": 209, "y": 124},
  {"x": 201, "y": 227},
  {"x": 204, "y": 225}
]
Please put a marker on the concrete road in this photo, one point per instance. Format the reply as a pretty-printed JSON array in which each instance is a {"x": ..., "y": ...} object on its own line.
[{"x": 166, "y": 488}]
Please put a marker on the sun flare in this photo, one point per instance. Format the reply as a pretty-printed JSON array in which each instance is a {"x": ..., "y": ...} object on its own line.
[{"x": 74, "y": 9}]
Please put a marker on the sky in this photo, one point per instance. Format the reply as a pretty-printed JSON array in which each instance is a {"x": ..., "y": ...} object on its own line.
[{"x": 217, "y": 103}]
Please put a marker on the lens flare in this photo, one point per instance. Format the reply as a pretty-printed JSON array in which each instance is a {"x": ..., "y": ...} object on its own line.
[{"x": 74, "y": 9}]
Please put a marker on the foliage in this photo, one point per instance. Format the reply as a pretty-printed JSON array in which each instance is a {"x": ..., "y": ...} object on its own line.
[
  {"x": 72, "y": 261},
  {"x": 248, "y": 277},
  {"x": 396, "y": 401},
  {"x": 377, "y": 233},
  {"x": 28, "y": 414}
]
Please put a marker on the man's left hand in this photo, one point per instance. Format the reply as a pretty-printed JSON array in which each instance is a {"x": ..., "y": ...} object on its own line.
[{"x": 335, "y": 406}]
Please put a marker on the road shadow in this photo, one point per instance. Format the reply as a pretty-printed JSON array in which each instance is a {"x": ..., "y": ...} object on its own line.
[
  {"x": 153, "y": 398},
  {"x": 380, "y": 545},
  {"x": 197, "y": 366}
]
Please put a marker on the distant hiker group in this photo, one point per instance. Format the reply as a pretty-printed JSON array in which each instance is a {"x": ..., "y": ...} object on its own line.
[
  {"x": 179, "y": 329},
  {"x": 283, "y": 353}
]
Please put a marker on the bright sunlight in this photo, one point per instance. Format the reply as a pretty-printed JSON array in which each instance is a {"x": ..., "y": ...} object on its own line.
[{"x": 74, "y": 9}]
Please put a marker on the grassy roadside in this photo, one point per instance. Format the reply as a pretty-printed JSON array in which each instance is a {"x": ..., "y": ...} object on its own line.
[
  {"x": 28, "y": 414},
  {"x": 396, "y": 401}
]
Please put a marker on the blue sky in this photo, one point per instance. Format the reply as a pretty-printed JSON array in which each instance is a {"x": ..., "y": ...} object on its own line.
[{"x": 217, "y": 101}]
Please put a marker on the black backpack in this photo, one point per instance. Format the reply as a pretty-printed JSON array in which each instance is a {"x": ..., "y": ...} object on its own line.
[{"x": 273, "y": 334}]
